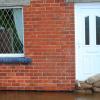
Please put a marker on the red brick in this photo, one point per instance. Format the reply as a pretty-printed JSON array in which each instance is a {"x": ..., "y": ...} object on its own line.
[{"x": 49, "y": 41}]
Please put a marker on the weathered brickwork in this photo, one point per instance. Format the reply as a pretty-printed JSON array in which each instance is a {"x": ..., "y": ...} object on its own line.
[{"x": 49, "y": 41}]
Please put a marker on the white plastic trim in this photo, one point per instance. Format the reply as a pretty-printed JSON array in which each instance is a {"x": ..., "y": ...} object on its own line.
[{"x": 11, "y": 55}]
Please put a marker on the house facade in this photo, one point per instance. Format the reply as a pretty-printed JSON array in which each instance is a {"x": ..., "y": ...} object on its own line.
[{"x": 47, "y": 44}]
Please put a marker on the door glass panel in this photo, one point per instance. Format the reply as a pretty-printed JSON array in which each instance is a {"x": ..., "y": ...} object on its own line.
[
  {"x": 87, "y": 30},
  {"x": 97, "y": 30}
]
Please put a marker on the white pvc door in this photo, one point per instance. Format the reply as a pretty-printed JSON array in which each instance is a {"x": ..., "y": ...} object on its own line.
[{"x": 87, "y": 34}]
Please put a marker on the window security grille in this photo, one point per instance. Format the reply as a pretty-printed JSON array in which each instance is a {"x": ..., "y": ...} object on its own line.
[{"x": 11, "y": 31}]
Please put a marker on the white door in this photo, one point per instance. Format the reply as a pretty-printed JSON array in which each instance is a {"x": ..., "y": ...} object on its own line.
[{"x": 87, "y": 37}]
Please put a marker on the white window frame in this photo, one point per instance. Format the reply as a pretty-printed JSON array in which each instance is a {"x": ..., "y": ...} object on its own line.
[{"x": 14, "y": 54}]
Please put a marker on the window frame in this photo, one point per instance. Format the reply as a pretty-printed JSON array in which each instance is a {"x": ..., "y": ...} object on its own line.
[{"x": 15, "y": 54}]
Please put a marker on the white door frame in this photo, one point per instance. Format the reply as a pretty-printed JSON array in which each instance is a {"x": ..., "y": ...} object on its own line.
[{"x": 78, "y": 6}]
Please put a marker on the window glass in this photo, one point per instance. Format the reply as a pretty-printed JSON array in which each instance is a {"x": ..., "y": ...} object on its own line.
[
  {"x": 11, "y": 31},
  {"x": 87, "y": 31},
  {"x": 97, "y": 30}
]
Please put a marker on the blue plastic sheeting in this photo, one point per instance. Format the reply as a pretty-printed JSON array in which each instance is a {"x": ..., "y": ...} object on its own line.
[{"x": 22, "y": 60}]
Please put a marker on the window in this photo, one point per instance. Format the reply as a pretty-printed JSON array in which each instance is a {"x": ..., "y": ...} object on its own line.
[
  {"x": 87, "y": 31},
  {"x": 97, "y": 30},
  {"x": 11, "y": 32}
]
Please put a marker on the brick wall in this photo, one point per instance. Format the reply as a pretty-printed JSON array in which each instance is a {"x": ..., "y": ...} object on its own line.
[{"x": 49, "y": 41}]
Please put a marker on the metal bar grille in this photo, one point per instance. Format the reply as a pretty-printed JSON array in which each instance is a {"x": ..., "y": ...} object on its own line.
[{"x": 10, "y": 36}]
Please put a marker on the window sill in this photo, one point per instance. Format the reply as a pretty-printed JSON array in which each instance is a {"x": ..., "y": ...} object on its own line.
[{"x": 16, "y": 60}]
